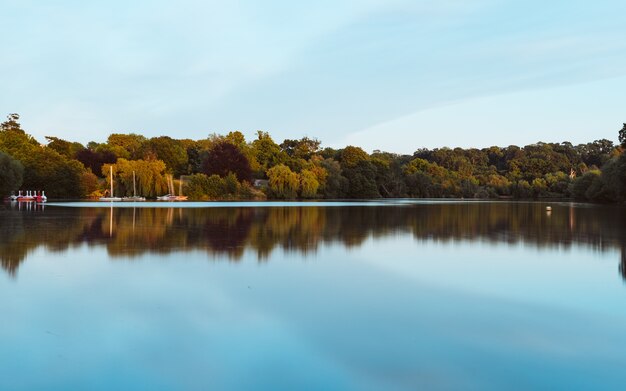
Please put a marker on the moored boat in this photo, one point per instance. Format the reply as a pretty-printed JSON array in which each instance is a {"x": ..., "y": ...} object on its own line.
[
  {"x": 135, "y": 197},
  {"x": 29, "y": 196},
  {"x": 171, "y": 196},
  {"x": 111, "y": 198}
]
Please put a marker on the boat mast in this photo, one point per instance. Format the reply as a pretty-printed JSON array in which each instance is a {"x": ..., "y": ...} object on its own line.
[
  {"x": 111, "y": 169},
  {"x": 134, "y": 187}
]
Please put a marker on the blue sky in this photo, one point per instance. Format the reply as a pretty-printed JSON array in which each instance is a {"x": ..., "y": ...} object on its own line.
[{"x": 389, "y": 75}]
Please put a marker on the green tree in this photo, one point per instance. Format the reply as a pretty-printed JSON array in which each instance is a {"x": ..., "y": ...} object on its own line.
[
  {"x": 598, "y": 191},
  {"x": 238, "y": 140},
  {"x": 267, "y": 153},
  {"x": 301, "y": 149},
  {"x": 335, "y": 184},
  {"x": 65, "y": 148},
  {"x": 622, "y": 136},
  {"x": 12, "y": 124},
  {"x": 90, "y": 185},
  {"x": 44, "y": 168},
  {"x": 308, "y": 184},
  {"x": 321, "y": 174},
  {"x": 283, "y": 183},
  {"x": 225, "y": 158},
  {"x": 596, "y": 153},
  {"x": 427, "y": 179},
  {"x": 170, "y": 151},
  {"x": 558, "y": 184},
  {"x": 231, "y": 185},
  {"x": 11, "y": 174},
  {"x": 523, "y": 190},
  {"x": 128, "y": 146},
  {"x": 539, "y": 186},
  {"x": 581, "y": 185},
  {"x": 498, "y": 184},
  {"x": 150, "y": 177},
  {"x": 93, "y": 160},
  {"x": 351, "y": 156},
  {"x": 389, "y": 179},
  {"x": 204, "y": 188},
  {"x": 612, "y": 184},
  {"x": 361, "y": 180}
]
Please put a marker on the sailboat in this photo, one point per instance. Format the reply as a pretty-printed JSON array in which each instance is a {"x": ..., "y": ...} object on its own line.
[
  {"x": 172, "y": 196},
  {"x": 110, "y": 198},
  {"x": 180, "y": 196},
  {"x": 135, "y": 197}
]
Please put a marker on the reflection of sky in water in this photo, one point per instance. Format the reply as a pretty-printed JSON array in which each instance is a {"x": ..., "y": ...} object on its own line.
[
  {"x": 392, "y": 313},
  {"x": 393, "y": 310}
]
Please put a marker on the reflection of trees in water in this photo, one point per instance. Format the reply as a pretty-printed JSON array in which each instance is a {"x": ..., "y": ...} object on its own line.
[
  {"x": 622, "y": 264},
  {"x": 598, "y": 227},
  {"x": 229, "y": 231},
  {"x": 292, "y": 229},
  {"x": 23, "y": 231},
  {"x": 12, "y": 252}
]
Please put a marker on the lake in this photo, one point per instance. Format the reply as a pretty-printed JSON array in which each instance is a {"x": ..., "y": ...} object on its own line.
[{"x": 385, "y": 295}]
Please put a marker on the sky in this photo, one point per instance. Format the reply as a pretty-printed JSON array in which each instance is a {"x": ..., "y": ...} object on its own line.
[{"x": 391, "y": 75}]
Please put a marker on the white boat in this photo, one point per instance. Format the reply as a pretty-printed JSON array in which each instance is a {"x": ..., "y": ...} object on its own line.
[
  {"x": 111, "y": 198},
  {"x": 167, "y": 197},
  {"x": 171, "y": 196},
  {"x": 135, "y": 197}
]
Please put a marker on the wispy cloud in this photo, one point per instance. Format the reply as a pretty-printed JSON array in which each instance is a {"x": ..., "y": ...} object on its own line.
[
  {"x": 324, "y": 69},
  {"x": 577, "y": 113}
]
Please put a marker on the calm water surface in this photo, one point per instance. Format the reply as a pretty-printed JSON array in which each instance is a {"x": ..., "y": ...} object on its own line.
[{"x": 385, "y": 295}]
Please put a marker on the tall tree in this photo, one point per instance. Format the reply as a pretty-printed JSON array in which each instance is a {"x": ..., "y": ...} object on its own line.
[
  {"x": 224, "y": 158},
  {"x": 44, "y": 168},
  {"x": 596, "y": 153},
  {"x": 128, "y": 146},
  {"x": 267, "y": 152},
  {"x": 170, "y": 151},
  {"x": 351, "y": 156},
  {"x": 622, "y": 135},
  {"x": 301, "y": 149},
  {"x": 66, "y": 148},
  {"x": 12, "y": 124},
  {"x": 94, "y": 160}
]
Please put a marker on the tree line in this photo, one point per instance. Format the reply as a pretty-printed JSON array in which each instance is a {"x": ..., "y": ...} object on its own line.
[{"x": 231, "y": 167}]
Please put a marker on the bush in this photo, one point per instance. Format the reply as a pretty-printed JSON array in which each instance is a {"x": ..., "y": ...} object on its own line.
[
  {"x": 204, "y": 188},
  {"x": 578, "y": 188}
]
